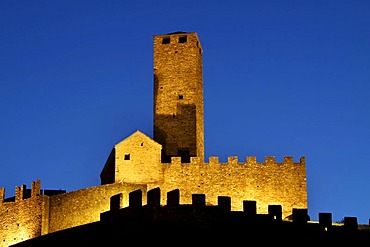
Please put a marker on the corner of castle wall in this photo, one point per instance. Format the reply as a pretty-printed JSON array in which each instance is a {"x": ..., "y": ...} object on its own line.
[{"x": 302, "y": 160}]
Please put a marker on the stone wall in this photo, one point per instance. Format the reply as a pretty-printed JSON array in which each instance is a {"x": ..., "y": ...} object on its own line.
[
  {"x": 268, "y": 182},
  {"x": 28, "y": 216},
  {"x": 22, "y": 217},
  {"x": 137, "y": 160},
  {"x": 84, "y": 206}
]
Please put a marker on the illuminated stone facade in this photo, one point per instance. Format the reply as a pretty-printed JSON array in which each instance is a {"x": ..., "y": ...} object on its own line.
[
  {"x": 202, "y": 225},
  {"x": 178, "y": 95},
  {"x": 173, "y": 159},
  {"x": 32, "y": 213}
]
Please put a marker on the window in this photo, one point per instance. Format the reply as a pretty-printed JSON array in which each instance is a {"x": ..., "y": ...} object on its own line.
[
  {"x": 126, "y": 157},
  {"x": 183, "y": 39},
  {"x": 181, "y": 96},
  {"x": 166, "y": 40}
]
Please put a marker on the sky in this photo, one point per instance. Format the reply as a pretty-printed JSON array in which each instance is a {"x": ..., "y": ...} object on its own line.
[{"x": 281, "y": 78}]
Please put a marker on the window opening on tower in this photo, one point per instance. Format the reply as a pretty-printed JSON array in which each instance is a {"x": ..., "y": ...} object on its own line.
[
  {"x": 166, "y": 40},
  {"x": 183, "y": 39}
]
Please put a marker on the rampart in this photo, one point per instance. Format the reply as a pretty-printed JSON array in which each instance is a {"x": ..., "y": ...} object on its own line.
[
  {"x": 199, "y": 224},
  {"x": 36, "y": 212},
  {"x": 267, "y": 182},
  {"x": 24, "y": 215},
  {"x": 84, "y": 206},
  {"x": 32, "y": 213}
]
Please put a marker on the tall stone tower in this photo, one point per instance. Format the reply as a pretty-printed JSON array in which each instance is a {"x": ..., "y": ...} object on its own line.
[{"x": 178, "y": 96}]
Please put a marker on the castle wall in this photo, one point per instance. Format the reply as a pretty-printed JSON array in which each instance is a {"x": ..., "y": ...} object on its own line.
[
  {"x": 267, "y": 183},
  {"x": 22, "y": 218},
  {"x": 84, "y": 206}
]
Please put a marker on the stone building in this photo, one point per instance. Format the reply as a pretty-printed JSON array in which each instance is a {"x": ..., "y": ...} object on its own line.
[{"x": 172, "y": 160}]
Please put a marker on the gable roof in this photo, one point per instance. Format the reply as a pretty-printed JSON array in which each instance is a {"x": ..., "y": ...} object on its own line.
[{"x": 139, "y": 135}]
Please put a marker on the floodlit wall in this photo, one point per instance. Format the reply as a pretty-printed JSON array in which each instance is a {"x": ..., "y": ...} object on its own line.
[
  {"x": 268, "y": 182},
  {"x": 28, "y": 216},
  {"x": 84, "y": 206},
  {"x": 138, "y": 160},
  {"x": 23, "y": 217}
]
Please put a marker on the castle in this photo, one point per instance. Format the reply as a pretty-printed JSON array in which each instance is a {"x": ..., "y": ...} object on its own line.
[{"x": 172, "y": 160}]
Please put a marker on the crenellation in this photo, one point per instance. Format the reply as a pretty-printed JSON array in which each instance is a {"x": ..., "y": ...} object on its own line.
[
  {"x": 154, "y": 197},
  {"x": 116, "y": 202},
  {"x": 232, "y": 160},
  {"x": 288, "y": 160},
  {"x": 251, "y": 160},
  {"x": 302, "y": 160},
  {"x": 213, "y": 160},
  {"x": 196, "y": 160},
  {"x": 250, "y": 207},
  {"x": 36, "y": 190},
  {"x": 20, "y": 192},
  {"x": 205, "y": 224},
  {"x": 176, "y": 160},
  {"x": 224, "y": 202},
  {"x": 135, "y": 198},
  {"x": 270, "y": 160}
]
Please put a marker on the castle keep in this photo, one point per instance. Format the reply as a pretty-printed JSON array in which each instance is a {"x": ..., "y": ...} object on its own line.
[
  {"x": 178, "y": 96},
  {"x": 172, "y": 160}
]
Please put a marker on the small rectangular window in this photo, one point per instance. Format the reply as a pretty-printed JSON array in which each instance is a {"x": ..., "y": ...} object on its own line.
[
  {"x": 166, "y": 40},
  {"x": 127, "y": 157},
  {"x": 181, "y": 96},
  {"x": 183, "y": 39}
]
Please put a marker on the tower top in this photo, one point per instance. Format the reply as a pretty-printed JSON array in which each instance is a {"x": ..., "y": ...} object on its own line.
[{"x": 181, "y": 36}]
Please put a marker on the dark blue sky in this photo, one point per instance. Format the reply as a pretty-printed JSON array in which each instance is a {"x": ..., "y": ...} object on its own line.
[{"x": 281, "y": 78}]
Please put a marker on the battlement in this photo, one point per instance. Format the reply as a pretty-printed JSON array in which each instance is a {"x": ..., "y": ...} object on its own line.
[
  {"x": 198, "y": 213},
  {"x": 22, "y": 193},
  {"x": 201, "y": 224},
  {"x": 234, "y": 160}
]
